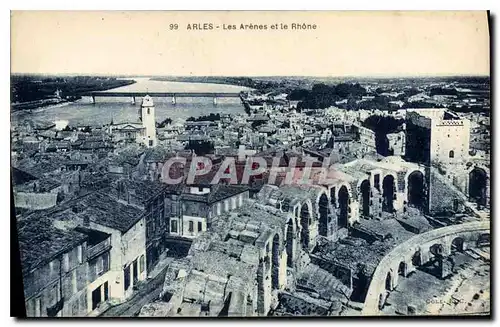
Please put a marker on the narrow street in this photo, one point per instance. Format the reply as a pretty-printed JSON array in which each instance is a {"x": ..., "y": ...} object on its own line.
[{"x": 147, "y": 292}]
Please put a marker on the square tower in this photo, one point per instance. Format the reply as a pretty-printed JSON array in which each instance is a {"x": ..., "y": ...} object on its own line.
[{"x": 436, "y": 136}]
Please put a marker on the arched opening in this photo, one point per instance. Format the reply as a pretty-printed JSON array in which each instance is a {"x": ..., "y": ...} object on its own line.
[
  {"x": 289, "y": 242},
  {"x": 451, "y": 154},
  {"x": 285, "y": 205},
  {"x": 323, "y": 215},
  {"x": 365, "y": 197},
  {"x": 343, "y": 207},
  {"x": 388, "y": 193},
  {"x": 402, "y": 269},
  {"x": 477, "y": 186},
  {"x": 437, "y": 250},
  {"x": 275, "y": 262},
  {"x": 416, "y": 259},
  {"x": 416, "y": 189},
  {"x": 388, "y": 282},
  {"x": 483, "y": 240},
  {"x": 304, "y": 223},
  {"x": 457, "y": 245}
]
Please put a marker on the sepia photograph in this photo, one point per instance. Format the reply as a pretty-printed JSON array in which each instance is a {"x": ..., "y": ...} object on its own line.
[{"x": 277, "y": 164}]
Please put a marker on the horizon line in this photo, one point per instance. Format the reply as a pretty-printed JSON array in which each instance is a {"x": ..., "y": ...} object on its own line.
[{"x": 253, "y": 76}]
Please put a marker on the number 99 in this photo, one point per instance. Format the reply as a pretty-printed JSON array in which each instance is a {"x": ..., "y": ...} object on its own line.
[{"x": 174, "y": 26}]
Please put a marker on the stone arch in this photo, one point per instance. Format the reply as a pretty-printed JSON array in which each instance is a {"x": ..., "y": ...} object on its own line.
[
  {"x": 457, "y": 244},
  {"x": 416, "y": 189},
  {"x": 478, "y": 182},
  {"x": 419, "y": 245},
  {"x": 305, "y": 221},
  {"x": 275, "y": 261},
  {"x": 388, "y": 193},
  {"x": 343, "y": 215},
  {"x": 290, "y": 236},
  {"x": 365, "y": 189}
]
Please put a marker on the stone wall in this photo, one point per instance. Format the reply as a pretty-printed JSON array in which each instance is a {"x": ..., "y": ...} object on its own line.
[
  {"x": 443, "y": 196},
  {"x": 35, "y": 201}
]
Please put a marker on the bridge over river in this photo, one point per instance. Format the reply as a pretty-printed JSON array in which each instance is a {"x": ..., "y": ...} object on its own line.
[{"x": 173, "y": 95}]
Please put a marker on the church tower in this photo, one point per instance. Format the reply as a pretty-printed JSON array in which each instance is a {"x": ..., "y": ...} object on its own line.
[{"x": 148, "y": 121}]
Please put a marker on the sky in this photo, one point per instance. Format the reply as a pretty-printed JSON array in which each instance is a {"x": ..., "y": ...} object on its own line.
[{"x": 351, "y": 43}]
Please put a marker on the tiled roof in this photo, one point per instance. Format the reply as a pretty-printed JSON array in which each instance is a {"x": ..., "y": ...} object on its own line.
[{"x": 40, "y": 241}]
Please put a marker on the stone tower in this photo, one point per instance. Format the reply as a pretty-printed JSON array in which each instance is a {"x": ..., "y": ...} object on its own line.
[{"x": 148, "y": 121}]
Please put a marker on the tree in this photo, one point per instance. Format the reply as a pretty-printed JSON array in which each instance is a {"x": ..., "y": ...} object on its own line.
[
  {"x": 200, "y": 147},
  {"x": 165, "y": 122}
]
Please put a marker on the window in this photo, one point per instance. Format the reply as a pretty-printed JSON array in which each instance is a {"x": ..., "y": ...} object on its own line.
[
  {"x": 150, "y": 142},
  {"x": 135, "y": 271},
  {"x": 148, "y": 111},
  {"x": 191, "y": 227},
  {"x": 80, "y": 254},
  {"x": 105, "y": 262},
  {"x": 126, "y": 273},
  {"x": 66, "y": 262},
  {"x": 451, "y": 154},
  {"x": 200, "y": 226},
  {"x": 106, "y": 291},
  {"x": 99, "y": 266},
  {"x": 96, "y": 297},
  {"x": 141, "y": 264},
  {"x": 173, "y": 226}
]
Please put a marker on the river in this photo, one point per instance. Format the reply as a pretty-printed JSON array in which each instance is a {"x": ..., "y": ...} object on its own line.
[{"x": 82, "y": 112}]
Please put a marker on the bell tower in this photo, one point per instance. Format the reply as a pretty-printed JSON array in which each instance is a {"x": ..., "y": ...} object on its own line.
[{"x": 148, "y": 121}]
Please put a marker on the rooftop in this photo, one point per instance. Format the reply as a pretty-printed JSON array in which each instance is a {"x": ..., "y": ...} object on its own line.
[
  {"x": 40, "y": 241},
  {"x": 217, "y": 193},
  {"x": 102, "y": 209}
]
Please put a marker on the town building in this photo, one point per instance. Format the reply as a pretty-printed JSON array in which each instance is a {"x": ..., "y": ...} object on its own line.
[
  {"x": 143, "y": 132},
  {"x": 54, "y": 268},
  {"x": 200, "y": 203}
]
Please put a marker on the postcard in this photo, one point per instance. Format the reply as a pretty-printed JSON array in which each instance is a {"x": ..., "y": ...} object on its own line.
[{"x": 251, "y": 163}]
